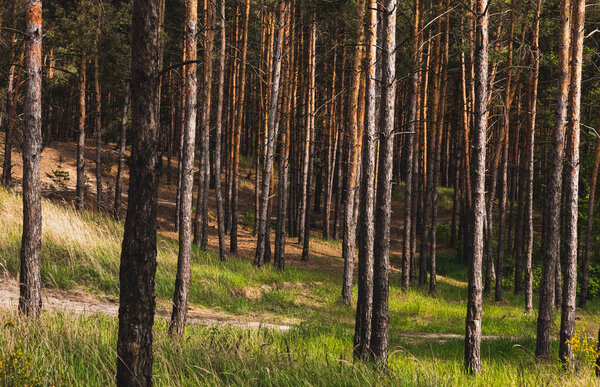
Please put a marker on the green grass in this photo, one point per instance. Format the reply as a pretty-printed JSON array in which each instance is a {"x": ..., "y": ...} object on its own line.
[{"x": 81, "y": 250}]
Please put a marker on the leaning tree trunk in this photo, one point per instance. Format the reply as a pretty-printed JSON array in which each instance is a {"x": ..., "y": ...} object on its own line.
[
  {"x": 474, "y": 301},
  {"x": 138, "y": 254},
  {"x": 80, "y": 191},
  {"x": 30, "y": 282},
  {"x": 270, "y": 141},
  {"x": 218, "y": 132},
  {"x": 567, "y": 317},
  {"x": 364, "y": 307},
  {"x": 122, "y": 158},
  {"x": 551, "y": 245},
  {"x": 381, "y": 252},
  {"x": 184, "y": 259},
  {"x": 349, "y": 236}
]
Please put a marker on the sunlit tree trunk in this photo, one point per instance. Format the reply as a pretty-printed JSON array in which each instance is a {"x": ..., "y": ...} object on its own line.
[
  {"x": 184, "y": 259},
  {"x": 80, "y": 189},
  {"x": 30, "y": 282},
  {"x": 474, "y": 300}
]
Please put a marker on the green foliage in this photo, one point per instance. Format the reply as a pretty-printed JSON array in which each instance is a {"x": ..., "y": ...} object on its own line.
[
  {"x": 59, "y": 176},
  {"x": 16, "y": 366},
  {"x": 249, "y": 220}
]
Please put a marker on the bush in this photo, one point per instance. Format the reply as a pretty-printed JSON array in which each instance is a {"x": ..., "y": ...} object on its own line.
[
  {"x": 15, "y": 368},
  {"x": 249, "y": 221}
]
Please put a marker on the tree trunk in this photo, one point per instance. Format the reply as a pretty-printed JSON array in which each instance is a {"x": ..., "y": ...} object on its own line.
[
  {"x": 98, "y": 127},
  {"x": 474, "y": 301},
  {"x": 122, "y": 159},
  {"x": 349, "y": 236},
  {"x": 138, "y": 254},
  {"x": 551, "y": 245},
  {"x": 364, "y": 307},
  {"x": 239, "y": 111},
  {"x": 263, "y": 222},
  {"x": 589, "y": 228},
  {"x": 80, "y": 191},
  {"x": 30, "y": 282},
  {"x": 184, "y": 258},
  {"x": 381, "y": 252},
  {"x": 218, "y": 132},
  {"x": 567, "y": 317}
]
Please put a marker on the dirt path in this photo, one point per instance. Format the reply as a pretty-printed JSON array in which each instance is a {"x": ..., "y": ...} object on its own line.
[{"x": 80, "y": 303}]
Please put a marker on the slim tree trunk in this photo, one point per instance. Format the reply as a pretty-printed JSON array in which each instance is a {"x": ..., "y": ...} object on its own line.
[
  {"x": 138, "y": 254},
  {"x": 184, "y": 259},
  {"x": 218, "y": 132},
  {"x": 270, "y": 139},
  {"x": 122, "y": 159},
  {"x": 349, "y": 236},
  {"x": 239, "y": 111},
  {"x": 551, "y": 245},
  {"x": 80, "y": 194},
  {"x": 381, "y": 253},
  {"x": 30, "y": 282},
  {"x": 364, "y": 307},
  {"x": 410, "y": 139},
  {"x": 474, "y": 301},
  {"x": 98, "y": 128},
  {"x": 567, "y": 317},
  {"x": 585, "y": 269}
]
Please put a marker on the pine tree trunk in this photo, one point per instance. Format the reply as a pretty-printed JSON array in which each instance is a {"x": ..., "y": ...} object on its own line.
[
  {"x": 349, "y": 234},
  {"x": 122, "y": 159},
  {"x": 218, "y": 133},
  {"x": 567, "y": 320},
  {"x": 381, "y": 253},
  {"x": 30, "y": 282},
  {"x": 80, "y": 191},
  {"x": 138, "y": 254},
  {"x": 551, "y": 245},
  {"x": 98, "y": 128},
  {"x": 364, "y": 307},
  {"x": 474, "y": 301},
  {"x": 271, "y": 135},
  {"x": 184, "y": 259}
]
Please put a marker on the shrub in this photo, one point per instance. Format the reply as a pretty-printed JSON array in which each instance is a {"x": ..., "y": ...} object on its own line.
[
  {"x": 15, "y": 368},
  {"x": 249, "y": 221}
]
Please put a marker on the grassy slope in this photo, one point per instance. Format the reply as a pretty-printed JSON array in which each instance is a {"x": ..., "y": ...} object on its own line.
[{"x": 82, "y": 251}]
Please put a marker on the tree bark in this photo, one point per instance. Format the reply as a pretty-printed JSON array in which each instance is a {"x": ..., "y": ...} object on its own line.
[
  {"x": 364, "y": 307},
  {"x": 349, "y": 235},
  {"x": 98, "y": 128},
  {"x": 122, "y": 159},
  {"x": 184, "y": 259},
  {"x": 551, "y": 245},
  {"x": 80, "y": 191},
  {"x": 567, "y": 317},
  {"x": 474, "y": 301},
  {"x": 263, "y": 222},
  {"x": 30, "y": 282},
  {"x": 138, "y": 254},
  {"x": 381, "y": 253}
]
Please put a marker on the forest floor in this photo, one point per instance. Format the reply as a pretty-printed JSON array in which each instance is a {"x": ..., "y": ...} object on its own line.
[{"x": 301, "y": 332}]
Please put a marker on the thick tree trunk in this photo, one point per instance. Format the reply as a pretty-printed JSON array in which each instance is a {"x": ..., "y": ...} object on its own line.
[
  {"x": 349, "y": 235},
  {"x": 551, "y": 245},
  {"x": 30, "y": 282},
  {"x": 364, "y": 307},
  {"x": 122, "y": 159},
  {"x": 184, "y": 259},
  {"x": 381, "y": 253},
  {"x": 567, "y": 317},
  {"x": 138, "y": 254},
  {"x": 80, "y": 191},
  {"x": 263, "y": 222},
  {"x": 474, "y": 301}
]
